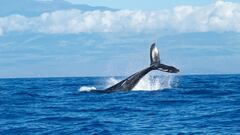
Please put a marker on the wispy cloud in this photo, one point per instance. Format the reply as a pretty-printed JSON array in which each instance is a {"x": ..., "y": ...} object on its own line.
[{"x": 218, "y": 17}]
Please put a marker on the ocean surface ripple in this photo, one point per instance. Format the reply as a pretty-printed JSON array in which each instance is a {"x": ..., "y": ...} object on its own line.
[{"x": 195, "y": 104}]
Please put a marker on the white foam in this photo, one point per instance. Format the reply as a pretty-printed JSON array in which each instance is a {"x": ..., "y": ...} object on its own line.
[{"x": 86, "y": 89}]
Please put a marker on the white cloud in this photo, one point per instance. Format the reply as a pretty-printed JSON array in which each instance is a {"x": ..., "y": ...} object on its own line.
[{"x": 219, "y": 17}]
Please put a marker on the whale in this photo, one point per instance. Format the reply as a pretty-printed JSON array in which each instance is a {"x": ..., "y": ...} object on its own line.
[{"x": 130, "y": 82}]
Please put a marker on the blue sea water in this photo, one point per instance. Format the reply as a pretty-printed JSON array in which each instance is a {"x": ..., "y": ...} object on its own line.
[{"x": 196, "y": 104}]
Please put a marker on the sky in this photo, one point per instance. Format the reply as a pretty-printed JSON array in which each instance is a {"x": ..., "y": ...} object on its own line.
[
  {"x": 145, "y": 4},
  {"x": 57, "y": 38}
]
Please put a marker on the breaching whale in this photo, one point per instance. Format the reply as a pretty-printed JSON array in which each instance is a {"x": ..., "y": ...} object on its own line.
[{"x": 130, "y": 82}]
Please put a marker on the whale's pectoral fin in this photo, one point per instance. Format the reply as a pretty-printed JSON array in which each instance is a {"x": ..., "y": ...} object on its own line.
[{"x": 156, "y": 64}]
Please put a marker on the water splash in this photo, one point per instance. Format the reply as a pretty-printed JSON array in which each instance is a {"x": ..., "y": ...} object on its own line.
[
  {"x": 86, "y": 89},
  {"x": 148, "y": 83},
  {"x": 112, "y": 81}
]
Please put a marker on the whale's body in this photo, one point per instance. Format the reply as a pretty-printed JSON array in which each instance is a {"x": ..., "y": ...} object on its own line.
[{"x": 130, "y": 82}]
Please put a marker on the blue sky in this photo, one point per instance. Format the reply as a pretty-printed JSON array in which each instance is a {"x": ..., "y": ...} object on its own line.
[
  {"x": 67, "y": 38},
  {"x": 145, "y": 4}
]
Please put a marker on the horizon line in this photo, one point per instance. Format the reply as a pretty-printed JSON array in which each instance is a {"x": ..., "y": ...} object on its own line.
[{"x": 98, "y": 76}]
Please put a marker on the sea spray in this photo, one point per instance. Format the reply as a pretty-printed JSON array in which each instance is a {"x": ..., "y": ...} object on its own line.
[
  {"x": 148, "y": 83},
  {"x": 151, "y": 83},
  {"x": 112, "y": 81}
]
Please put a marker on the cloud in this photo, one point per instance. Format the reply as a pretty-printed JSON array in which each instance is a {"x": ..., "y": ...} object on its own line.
[{"x": 218, "y": 17}]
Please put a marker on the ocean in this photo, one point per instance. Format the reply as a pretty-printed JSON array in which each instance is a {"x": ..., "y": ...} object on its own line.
[{"x": 190, "y": 104}]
